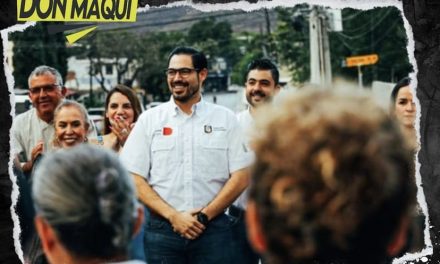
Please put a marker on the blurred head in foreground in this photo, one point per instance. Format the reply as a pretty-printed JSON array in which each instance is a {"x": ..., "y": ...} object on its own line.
[
  {"x": 332, "y": 182},
  {"x": 85, "y": 205}
]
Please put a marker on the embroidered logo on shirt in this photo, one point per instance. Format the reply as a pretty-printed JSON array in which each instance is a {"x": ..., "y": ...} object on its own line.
[
  {"x": 218, "y": 129},
  {"x": 208, "y": 129},
  {"x": 166, "y": 131}
]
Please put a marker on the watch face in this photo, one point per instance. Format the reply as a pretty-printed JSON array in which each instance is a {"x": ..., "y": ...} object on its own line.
[{"x": 202, "y": 218}]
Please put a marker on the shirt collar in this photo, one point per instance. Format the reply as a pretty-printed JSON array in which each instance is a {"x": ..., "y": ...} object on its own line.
[
  {"x": 198, "y": 109},
  {"x": 42, "y": 123}
]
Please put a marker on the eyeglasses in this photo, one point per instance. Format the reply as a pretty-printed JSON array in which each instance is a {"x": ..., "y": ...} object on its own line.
[
  {"x": 183, "y": 72},
  {"x": 46, "y": 88}
]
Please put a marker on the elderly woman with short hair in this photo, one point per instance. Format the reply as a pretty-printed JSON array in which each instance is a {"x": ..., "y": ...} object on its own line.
[{"x": 86, "y": 206}]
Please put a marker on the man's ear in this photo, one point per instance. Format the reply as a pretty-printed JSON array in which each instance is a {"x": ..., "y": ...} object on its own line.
[
  {"x": 400, "y": 238},
  {"x": 138, "y": 221},
  {"x": 203, "y": 74},
  {"x": 254, "y": 230},
  {"x": 63, "y": 91},
  {"x": 46, "y": 234}
]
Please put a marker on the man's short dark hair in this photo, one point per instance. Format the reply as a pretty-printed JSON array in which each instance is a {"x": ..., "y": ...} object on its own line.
[
  {"x": 198, "y": 58},
  {"x": 264, "y": 64}
]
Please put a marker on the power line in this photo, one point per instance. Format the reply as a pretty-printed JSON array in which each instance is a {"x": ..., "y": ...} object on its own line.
[
  {"x": 383, "y": 35},
  {"x": 371, "y": 27},
  {"x": 351, "y": 17},
  {"x": 170, "y": 22}
]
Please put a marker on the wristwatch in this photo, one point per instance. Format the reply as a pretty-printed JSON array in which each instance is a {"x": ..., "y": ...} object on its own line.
[{"x": 202, "y": 218}]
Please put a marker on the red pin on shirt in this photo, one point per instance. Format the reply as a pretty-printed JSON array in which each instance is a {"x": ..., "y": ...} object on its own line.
[{"x": 167, "y": 131}]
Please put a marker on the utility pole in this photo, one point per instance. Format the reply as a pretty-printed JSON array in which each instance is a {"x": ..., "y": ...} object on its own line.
[
  {"x": 90, "y": 49},
  {"x": 360, "y": 81},
  {"x": 320, "y": 66}
]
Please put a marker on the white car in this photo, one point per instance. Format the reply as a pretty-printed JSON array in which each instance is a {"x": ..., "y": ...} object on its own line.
[
  {"x": 22, "y": 103},
  {"x": 96, "y": 115},
  {"x": 153, "y": 104}
]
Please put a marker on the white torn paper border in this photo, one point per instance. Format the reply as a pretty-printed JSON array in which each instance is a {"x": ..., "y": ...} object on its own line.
[
  {"x": 10, "y": 81},
  {"x": 246, "y": 6}
]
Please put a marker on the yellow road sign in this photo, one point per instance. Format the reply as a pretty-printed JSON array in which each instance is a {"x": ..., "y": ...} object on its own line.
[{"x": 361, "y": 60}]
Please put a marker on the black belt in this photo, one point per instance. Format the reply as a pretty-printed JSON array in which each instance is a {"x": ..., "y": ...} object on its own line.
[{"x": 236, "y": 211}]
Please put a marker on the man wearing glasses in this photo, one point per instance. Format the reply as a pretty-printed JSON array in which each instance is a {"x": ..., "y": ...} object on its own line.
[
  {"x": 33, "y": 130},
  {"x": 189, "y": 164}
]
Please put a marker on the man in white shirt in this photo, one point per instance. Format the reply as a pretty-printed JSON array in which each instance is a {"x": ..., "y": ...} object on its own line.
[
  {"x": 262, "y": 84},
  {"x": 33, "y": 130},
  {"x": 189, "y": 161}
]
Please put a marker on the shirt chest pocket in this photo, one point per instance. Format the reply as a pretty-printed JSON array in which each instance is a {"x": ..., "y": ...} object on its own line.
[
  {"x": 163, "y": 155},
  {"x": 213, "y": 155}
]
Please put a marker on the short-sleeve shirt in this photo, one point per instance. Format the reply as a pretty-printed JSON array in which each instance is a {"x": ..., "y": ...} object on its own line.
[
  {"x": 27, "y": 130},
  {"x": 186, "y": 159},
  {"x": 246, "y": 122}
]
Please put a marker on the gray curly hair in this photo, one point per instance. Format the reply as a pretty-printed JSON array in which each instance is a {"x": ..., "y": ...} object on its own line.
[
  {"x": 88, "y": 198},
  {"x": 333, "y": 178}
]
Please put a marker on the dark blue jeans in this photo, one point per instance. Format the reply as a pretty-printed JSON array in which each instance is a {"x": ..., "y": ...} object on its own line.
[
  {"x": 240, "y": 241},
  {"x": 136, "y": 250},
  {"x": 214, "y": 245}
]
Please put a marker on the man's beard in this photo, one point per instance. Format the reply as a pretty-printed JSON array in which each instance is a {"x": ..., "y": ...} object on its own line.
[{"x": 188, "y": 93}]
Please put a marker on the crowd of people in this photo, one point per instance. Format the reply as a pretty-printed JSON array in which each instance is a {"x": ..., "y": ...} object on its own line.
[{"x": 320, "y": 176}]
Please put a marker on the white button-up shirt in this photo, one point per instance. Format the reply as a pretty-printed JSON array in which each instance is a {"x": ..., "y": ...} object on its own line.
[
  {"x": 27, "y": 130},
  {"x": 247, "y": 123},
  {"x": 186, "y": 159}
]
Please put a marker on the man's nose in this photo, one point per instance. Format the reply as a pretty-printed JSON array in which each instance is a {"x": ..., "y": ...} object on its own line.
[
  {"x": 257, "y": 86},
  {"x": 177, "y": 76},
  {"x": 43, "y": 91}
]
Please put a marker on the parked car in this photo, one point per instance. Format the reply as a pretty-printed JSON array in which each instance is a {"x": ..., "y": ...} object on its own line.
[
  {"x": 96, "y": 111},
  {"x": 22, "y": 103},
  {"x": 96, "y": 115},
  {"x": 153, "y": 104}
]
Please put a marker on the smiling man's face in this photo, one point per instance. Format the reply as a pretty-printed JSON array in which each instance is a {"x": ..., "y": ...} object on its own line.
[
  {"x": 184, "y": 81},
  {"x": 260, "y": 87},
  {"x": 45, "y": 95}
]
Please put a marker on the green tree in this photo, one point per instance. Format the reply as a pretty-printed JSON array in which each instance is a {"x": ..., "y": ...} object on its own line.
[
  {"x": 135, "y": 57},
  {"x": 292, "y": 42},
  {"x": 120, "y": 50},
  {"x": 35, "y": 46},
  {"x": 216, "y": 40},
  {"x": 251, "y": 49},
  {"x": 378, "y": 31},
  {"x": 155, "y": 49}
]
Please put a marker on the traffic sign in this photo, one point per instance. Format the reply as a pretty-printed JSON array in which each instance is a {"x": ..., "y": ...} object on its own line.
[{"x": 361, "y": 60}]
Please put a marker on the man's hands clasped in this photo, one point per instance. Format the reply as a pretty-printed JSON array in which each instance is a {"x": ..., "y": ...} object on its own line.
[{"x": 186, "y": 224}]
